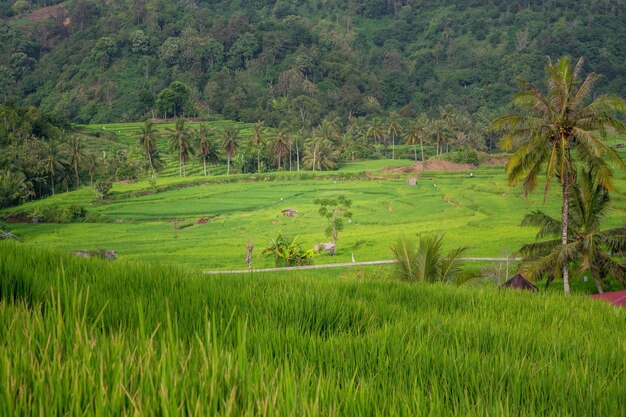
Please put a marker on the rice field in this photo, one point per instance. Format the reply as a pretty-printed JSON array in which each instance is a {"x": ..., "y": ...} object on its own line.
[
  {"x": 204, "y": 224},
  {"x": 88, "y": 337}
]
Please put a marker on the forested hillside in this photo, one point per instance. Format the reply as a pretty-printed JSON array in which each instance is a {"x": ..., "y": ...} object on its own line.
[{"x": 294, "y": 61}]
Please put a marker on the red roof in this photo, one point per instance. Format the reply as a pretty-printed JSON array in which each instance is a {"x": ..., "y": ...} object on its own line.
[{"x": 618, "y": 297}]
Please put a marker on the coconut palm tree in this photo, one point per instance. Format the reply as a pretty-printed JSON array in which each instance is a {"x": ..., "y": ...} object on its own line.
[
  {"x": 230, "y": 143},
  {"x": 417, "y": 132},
  {"x": 588, "y": 247},
  {"x": 554, "y": 125},
  {"x": 281, "y": 147},
  {"x": 394, "y": 129},
  {"x": 76, "y": 154},
  {"x": 258, "y": 142},
  {"x": 147, "y": 142},
  {"x": 207, "y": 150},
  {"x": 180, "y": 142},
  {"x": 375, "y": 130},
  {"x": 55, "y": 160}
]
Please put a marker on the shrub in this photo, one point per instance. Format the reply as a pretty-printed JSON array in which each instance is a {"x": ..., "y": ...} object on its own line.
[
  {"x": 102, "y": 188},
  {"x": 288, "y": 252},
  {"x": 424, "y": 261}
]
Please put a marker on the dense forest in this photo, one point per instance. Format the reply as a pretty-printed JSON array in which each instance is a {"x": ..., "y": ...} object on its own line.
[{"x": 294, "y": 62}]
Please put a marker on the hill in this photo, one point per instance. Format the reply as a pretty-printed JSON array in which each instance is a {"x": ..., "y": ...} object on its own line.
[{"x": 294, "y": 62}]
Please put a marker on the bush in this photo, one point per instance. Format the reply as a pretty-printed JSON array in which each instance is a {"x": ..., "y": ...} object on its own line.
[
  {"x": 424, "y": 261},
  {"x": 288, "y": 252},
  {"x": 102, "y": 188}
]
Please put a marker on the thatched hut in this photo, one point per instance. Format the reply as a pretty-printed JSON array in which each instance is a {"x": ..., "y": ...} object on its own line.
[{"x": 518, "y": 282}]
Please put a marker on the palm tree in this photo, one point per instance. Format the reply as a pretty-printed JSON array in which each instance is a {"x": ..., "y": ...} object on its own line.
[
  {"x": 375, "y": 130},
  {"x": 587, "y": 246},
  {"x": 281, "y": 147},
  {"x": 424, "y": 261},
  {"x": 417, "y": 133},
  {"x": 181, "y": 142},
  {"x": 555, "y": 123},
  {"x": 206, "y": 146},
  {"x": 54, "y": 161},
  {"x": 230, "y": 143},
  {"x": 76, "y": 154},
  {"x": 394, "y": 128},
  {"x": 258, "y": 142},
  {"x": 442, "y": 131},
  {"x": 147, "y": 142}
]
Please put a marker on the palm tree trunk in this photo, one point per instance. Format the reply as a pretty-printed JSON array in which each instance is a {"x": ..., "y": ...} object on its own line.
[
  {"x": 204, "y": 160},
  {"x": 415, "y": 152},
  {"x": 393, "y": 146},
  {"x": 297, "y": 157},
  {"x": 422, "y": 146},
  {"x": 564, "y": 225},
  {"x": 258, "y": 160},
  {"x": 76, "y": 173},
  {"x": 228, "y": 166}
]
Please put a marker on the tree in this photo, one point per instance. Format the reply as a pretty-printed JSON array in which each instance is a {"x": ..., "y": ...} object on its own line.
[
  {"x": 336, "y": 211},
  {"x": 554, "y": 124},
  {"x": 418, "y": 130},
  {"x": 394, "y": 129},
  {"x": 76, "y": 154},
  {"x": 180, "y": 142},
  {"x": 258, "y": 142},
  {"x": 147, "y": 142},
  {"x": 588, "y": 247},
  {"x": 375, "y": 130},
  {"x": 55, "y": 160},
  {"x": 14, "y": 188},
  {"x": 207, "y": 150},
  {"x": 230, "y": 143},
  {"x": 281, "y": 147}
]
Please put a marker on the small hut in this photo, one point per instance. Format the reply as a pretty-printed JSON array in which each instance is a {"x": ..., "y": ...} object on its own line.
[
  {"x": 289, "y": 212},
  {"x": 411, "y": 181},
  {"x": 518, "y": 282},
  {"x": 617, "y": 298}
]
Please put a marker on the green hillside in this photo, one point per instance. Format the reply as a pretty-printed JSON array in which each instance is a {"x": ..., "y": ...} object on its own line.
[{"x": 294, "y": 62}]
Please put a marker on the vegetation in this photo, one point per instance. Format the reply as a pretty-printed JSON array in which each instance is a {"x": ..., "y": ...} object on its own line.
[
  {"x": 293, "y": 62},
  {"x": 161, "y": 340},
  {"x": 287, "y": 251},
  {"x": 588, "y": 247},
  {"x": 425, "y": 261},
  {"x": 555, "y": 126}
]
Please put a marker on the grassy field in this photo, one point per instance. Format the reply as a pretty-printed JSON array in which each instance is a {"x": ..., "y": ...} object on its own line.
[
  {"x": 479, "y": 211},
  {"x": 92, "y": 337}
]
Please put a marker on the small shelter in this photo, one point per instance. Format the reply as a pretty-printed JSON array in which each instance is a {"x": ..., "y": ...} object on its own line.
[
  {"x": 289, "y": 212},
  {"x": 617, "y": 298},
  {"x": 411, "y": 181},
  {"x": 518, "y": 282}
]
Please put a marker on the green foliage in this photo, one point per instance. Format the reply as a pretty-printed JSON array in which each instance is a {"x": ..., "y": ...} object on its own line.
[
  {"x": 424, "y": 261},
  {"x": 358, "y": 59},
  {"x": 336, "y": 211},
  {"x": 102, "y": 188},
  {"x": 318, "y": 343},
  {"x": 287, "y": 251}
]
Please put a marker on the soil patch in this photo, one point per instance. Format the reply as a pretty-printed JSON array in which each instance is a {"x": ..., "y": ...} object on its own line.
[
  {"x": 44, "y": 13},
  {"x": 496, "y": 160},
  {"x": 429, "y": 166}
]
